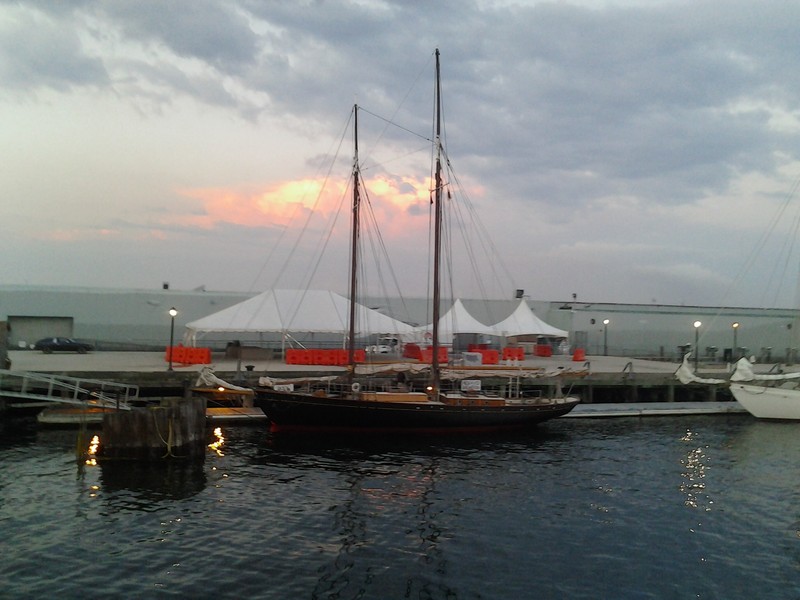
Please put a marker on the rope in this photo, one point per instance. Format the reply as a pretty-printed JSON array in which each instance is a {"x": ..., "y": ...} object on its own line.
[{"x": 170, "y": 436}]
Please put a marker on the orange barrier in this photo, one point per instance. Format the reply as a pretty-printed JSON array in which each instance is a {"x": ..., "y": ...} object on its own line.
[
  {"x": 579, "y": 355},
  {"x": 412, "y": 351},
  {"x": 513, "y": 353},
  {"x": 477, "y": 347},
  {"x": 490, "y": 357},
  {"x": 543, "y": 350},
  {"x": 322, "y": 356},
  {"x": 184, "y": 355},
  {"x": 427, "y": 355}
]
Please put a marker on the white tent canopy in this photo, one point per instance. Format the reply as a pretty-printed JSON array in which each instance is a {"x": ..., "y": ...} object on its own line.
[
  {"x": 458, "y": 320},
  {"x": 523, "y": 322},
  {"x": 283, "y": 311}
]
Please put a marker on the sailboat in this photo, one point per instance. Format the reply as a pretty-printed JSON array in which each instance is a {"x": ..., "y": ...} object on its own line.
[
  {"x": 767, "y": 395},
  {"x": 763, "y": 395},
  {"x": 351, "y": 407}
]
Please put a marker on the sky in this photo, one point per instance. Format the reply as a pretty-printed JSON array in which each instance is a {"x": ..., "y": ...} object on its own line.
[{"x": 617, "y": 151}]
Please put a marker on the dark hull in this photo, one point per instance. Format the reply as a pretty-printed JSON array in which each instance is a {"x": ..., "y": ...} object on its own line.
[{"x": 302, "y": 412}]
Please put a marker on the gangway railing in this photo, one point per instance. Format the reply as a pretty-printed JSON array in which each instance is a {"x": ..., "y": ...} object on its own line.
[{"x": 67, "y": 390}]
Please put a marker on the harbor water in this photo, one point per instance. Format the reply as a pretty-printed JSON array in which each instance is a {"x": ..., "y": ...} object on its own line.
[{"x": 661, "y": 507}]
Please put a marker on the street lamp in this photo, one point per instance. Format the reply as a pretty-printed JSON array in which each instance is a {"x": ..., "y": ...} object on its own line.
[
  {"x": 696, "y": 336},
  {"x": 734, "y": 354},
  {"x": 172, "y": 314},
  {"x": 605, "y": 336}
]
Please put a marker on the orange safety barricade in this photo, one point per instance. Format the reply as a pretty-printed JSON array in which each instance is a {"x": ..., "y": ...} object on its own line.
[
  {"x": 579, "y": 355},
  {"x": 361, "y": 355},
  {"x": 337, "y": 356},
  {"x": 490, "y": 357},
  {"x": 412, "y": 351},
  {"x": 427, "y": 355},
  {"x": 179, "y": 354},
  {"x": 190, "y": 357},
  {"x": 184, "y": 355},
  {"x": 513, "y": 353},
  {"x": 329, "y": 357}
]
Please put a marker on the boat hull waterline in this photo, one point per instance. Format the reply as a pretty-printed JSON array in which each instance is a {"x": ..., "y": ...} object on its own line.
[
  {"x": 307, "y": 413},
  {"x": 766, "y": 402}
]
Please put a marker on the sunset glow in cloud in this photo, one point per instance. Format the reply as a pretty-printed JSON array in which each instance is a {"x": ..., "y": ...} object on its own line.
[{"x": 287, "y": 205}]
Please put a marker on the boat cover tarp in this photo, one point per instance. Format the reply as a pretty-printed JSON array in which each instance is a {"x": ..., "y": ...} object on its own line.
[
  {"x": 524, "y": 322},
  {"x": 283, "y": 311},
  {"x": 686, "y": 375},
  {"x": 207, "y": 378},
  {"x": 744, "y": 372}
]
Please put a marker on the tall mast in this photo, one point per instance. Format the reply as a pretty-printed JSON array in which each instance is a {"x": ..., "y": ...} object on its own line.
[
  {"x": 351, "y": 344},
  {"x": 437, "y": 239}
]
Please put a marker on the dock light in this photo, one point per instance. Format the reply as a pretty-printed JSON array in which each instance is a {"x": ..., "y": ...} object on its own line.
[
  {"x": 734, "y": 354},
  {"x": 605, "y": 336},
  {"x": 697, "y": 325},
  {"x": 172, "y": 314}
]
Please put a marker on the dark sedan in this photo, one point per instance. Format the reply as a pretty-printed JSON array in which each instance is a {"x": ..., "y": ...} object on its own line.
[{"x": 60, "y": 344}]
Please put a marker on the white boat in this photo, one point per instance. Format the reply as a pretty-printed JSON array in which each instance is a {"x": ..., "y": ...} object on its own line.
[
  {"x": 766, "y": 396},
  {"x": 763, "y": 395}
]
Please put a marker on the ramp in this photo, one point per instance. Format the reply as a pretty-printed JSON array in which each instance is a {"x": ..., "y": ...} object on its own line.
[{"x": 60, "y": 389}]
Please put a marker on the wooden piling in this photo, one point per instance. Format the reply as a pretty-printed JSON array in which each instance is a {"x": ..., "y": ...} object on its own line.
[{"x": 176, "y": 430}]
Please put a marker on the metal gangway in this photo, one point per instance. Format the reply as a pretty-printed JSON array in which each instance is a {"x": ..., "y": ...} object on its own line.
[{"x": 48, "y": 388}]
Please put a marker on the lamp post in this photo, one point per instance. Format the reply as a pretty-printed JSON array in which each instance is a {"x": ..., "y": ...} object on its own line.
[
  {"x": 172, "y": 314},
  {"x": 605, "y": 336},
  {"x": 734, "y": 354},
  {"x": 696, "y": 341}
]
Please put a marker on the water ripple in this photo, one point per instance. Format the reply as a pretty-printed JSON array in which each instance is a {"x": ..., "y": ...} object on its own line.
[{"x": 623, "y": 508}]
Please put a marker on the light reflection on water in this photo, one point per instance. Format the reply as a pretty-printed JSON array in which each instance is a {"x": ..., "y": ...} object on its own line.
[{"x": 702, "y": 507}]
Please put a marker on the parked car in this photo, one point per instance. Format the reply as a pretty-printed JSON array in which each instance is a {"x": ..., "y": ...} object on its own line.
[{"x": 60, "y": 344}]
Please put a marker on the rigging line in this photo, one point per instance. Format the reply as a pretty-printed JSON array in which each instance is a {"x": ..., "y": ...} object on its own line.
[
  {"x": 402, "y": 102},
  {"x": 464, "y": 228},
  {"x": 322, "y": 244},
  {"x": 392, "y": 160},
  {"x": 787, "y": 253},
  {"x": 300, "y": 204},
  {"x": 384, "y": 252},
  {"x": 320, "y": 252},
  {"x": 284, "y": 232},
  {"x": 316, "y": 203},
  {"x": 483, "y": 232},
  {"x": 483, "y": 236},
  {"x": 757, "y": 249},
  {"x": 761, "y": 242},
  {"x": 394, "y": 124},
  {"x": 471, "y": 223}
]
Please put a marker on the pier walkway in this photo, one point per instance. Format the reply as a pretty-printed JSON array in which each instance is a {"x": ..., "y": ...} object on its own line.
[{"x": 610, "y": 386}]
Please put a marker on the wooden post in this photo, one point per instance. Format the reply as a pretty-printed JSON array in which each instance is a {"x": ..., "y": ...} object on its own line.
[
  {"x": 5, "y": 362},
  {"x": 177, "y": 430},
  {"x": 712, "y": 393}
]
